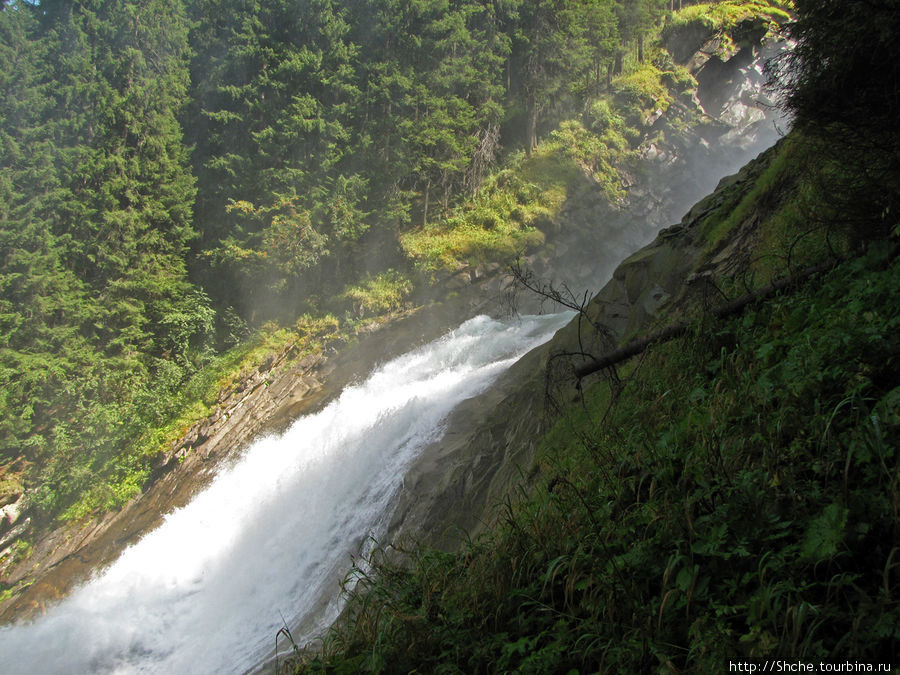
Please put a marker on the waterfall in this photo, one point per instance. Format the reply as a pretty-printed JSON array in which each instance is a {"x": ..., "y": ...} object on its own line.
[{"x": 266, "y": 543}]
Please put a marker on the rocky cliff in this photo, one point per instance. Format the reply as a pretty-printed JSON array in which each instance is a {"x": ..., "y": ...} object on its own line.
[
  {"x": 457, "y": 484},
  {"x": 704, "y": 134}
]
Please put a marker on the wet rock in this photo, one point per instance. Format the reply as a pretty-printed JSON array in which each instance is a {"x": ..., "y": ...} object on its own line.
[
  {"x": 203, "y": 433},
  {"x": 10, "y": 514},
  {"x": 267, "y": 364},
  {"x": 15, "y": 533}
]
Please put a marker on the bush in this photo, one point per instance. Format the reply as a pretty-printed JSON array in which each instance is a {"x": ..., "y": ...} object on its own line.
[{"x": 380, "y": 294}]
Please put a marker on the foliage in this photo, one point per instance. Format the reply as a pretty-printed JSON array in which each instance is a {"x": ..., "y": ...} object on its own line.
[
  {"x": 95, "y": 220},
  {"x": 740, "y": 201},
  {"x": 734, "y": 496},
  {"x": 643, "y": 90},
  {"x": 380, "y": 294},
  {"x": 597, "y": 156},
  {"x": 725, "y": 16},
  {"x": 165, "y": 412},
  {"x": 855, "y": 128},
  {"x": 732, "y": 23}
]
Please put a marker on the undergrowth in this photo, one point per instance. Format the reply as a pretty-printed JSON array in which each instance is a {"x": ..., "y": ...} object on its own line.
[
  {"x": 178, "y": 406},
  {"x": 498, "y": 222},
  {"x": 735, "y": 493}
]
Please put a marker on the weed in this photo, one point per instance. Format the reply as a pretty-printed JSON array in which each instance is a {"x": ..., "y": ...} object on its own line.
[{"x": 736, "y": 495}]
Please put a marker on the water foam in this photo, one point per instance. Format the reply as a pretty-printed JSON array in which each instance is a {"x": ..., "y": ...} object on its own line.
[{"x": 209, "y": 589}]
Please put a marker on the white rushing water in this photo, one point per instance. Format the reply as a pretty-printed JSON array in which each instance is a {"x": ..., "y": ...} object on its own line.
[{"x": 207, "y": 590}]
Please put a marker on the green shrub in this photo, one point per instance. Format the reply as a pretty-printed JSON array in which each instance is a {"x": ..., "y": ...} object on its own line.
[
  {"x": 380, "y": 294},
  {"x": 500, "y": 221},
  {"x": 643, "y": 89}
]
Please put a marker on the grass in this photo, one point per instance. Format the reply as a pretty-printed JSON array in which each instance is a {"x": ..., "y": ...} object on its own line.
[
  {"x": 734, "y": 495},
  {"x": 732, "y": 24},
  {"x": 740, "y": 203},
  {"x": 516, "y": 207},
  {"x": 794, "y": 227}
]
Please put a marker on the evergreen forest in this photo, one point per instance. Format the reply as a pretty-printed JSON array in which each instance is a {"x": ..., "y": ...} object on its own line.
[
  {"x": 178, "y": 175},
  {"x": 188, "y": 187}
]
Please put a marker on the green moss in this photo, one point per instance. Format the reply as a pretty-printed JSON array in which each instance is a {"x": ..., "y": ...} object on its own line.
[
  {"x": 741, "y": 201},
  {"x": 595, "y": 155},
  {"x": 793, "y": 225}
]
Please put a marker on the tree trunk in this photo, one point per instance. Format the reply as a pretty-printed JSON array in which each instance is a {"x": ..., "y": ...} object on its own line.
[
  {"x": 531, "y": 126},
  {"x": 681, "y": 328}
]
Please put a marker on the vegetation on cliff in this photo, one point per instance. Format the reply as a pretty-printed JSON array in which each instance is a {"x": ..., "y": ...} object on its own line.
[
  {"x": 730, "y": 494},
  {"x": 177, "y": 176}
]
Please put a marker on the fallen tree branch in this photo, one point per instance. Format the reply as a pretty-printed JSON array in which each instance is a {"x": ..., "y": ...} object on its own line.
[{"x": 733, "y": 307}]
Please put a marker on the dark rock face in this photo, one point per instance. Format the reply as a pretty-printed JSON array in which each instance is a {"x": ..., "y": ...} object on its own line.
[{"x": 453, "y": 490}]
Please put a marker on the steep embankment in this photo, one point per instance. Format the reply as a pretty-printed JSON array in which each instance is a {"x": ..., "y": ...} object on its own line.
[
  {"x": 730, "y": 494},
  {"x": 491, "y": 440}
]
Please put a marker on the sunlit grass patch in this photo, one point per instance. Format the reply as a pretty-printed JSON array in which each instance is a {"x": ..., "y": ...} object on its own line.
[
  {"x": 502, "y": 220},
  {"x": 380, "y": 294}
]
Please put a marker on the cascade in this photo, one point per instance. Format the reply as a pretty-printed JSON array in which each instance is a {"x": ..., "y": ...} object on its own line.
[{"x": 266, "y": 544}]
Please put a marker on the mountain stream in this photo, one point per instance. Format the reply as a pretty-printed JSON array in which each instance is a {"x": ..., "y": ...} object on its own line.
[{"x": 266, "y": 544}]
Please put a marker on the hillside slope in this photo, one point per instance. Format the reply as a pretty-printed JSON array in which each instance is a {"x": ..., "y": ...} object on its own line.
[{"x": 732, "y": 493}]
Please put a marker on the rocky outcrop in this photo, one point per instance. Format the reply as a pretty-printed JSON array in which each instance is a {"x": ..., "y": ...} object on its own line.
[
  {"x": 455, "y": 486},
  {"x": 264, "y": 398}
]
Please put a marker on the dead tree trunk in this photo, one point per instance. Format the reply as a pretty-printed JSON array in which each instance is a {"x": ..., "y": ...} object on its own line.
[{"x": 729, "y": 308}]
